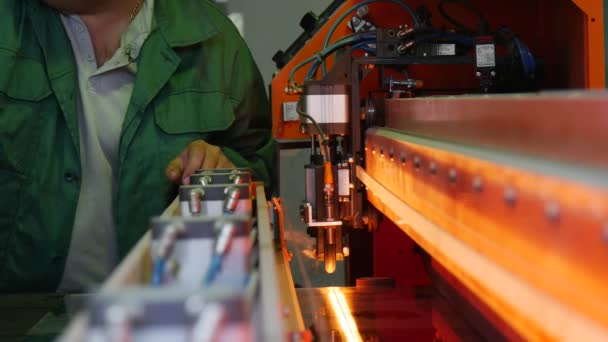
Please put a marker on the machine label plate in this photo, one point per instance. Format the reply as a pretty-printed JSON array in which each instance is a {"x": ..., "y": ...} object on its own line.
[{"x": 486, "y": 55}]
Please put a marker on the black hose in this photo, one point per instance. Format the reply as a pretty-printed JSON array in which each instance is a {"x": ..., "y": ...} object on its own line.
[{"x": 483, "y": 26}]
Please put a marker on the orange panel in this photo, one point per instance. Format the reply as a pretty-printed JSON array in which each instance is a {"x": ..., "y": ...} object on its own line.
[{"x": 595, "y": 49}]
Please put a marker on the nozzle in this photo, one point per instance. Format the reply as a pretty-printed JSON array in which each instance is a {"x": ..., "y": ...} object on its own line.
[{"x": 328, "y": 175}]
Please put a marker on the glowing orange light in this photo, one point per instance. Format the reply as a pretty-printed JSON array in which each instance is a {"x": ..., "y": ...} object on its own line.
[{"x": 344, "y": 315}]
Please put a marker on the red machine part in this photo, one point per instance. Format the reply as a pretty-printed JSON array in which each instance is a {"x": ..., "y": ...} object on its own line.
[{"x": 567, "y": 34}]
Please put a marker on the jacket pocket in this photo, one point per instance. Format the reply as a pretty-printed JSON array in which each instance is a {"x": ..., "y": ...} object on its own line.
[
  {"x": 193, "y": 111},
  {"x": 23, "y": 86},
  {"x": 22, "y": 78}
]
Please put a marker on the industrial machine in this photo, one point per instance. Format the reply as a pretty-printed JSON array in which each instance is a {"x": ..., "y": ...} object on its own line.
[
  {"x": 451, "y": 122},
  {"x": 457, "y": 167}
]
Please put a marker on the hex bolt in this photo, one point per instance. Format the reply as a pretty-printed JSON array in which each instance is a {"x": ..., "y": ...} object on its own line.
[
  {"x": 478, "y": 184},
  {"x": 552, "y": 211},
  {"x": 510, "y": 196},
  {"x": 453, "y": 175}
]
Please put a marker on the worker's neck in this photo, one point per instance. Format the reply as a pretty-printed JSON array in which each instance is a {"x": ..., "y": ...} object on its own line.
[
  {"x": 105, "y": 20},
  {"x": 91, "y": 7}
]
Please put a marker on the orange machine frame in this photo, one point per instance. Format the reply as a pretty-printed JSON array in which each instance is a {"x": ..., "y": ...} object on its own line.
[{"x": 568, "y": 33}]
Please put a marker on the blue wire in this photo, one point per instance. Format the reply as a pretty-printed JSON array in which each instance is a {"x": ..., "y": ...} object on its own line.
[
  {"x": 366, "y": 48},
  {"x": 339, "y": 44},
  {"x": 213, "y": 270},
  {"x": 158, "y": 272},
  {"x": 527, "y": 59},
  {"x": 356, "y": 7},
  {"x": 530, "y": 57},
  {"x": 358, "y": 44}
]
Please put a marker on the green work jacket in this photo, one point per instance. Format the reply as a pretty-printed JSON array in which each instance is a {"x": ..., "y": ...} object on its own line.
[{"x": 196, "y": 79}]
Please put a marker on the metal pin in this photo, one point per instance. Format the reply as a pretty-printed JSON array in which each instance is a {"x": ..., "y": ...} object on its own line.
[
  {"x": 209, "y": 323},
  {"x": 196, "y": 196},
  {"x": 232, "y": 199},
  {"x": 236, "y": 179},
  {"x": 205, "y": 180}
]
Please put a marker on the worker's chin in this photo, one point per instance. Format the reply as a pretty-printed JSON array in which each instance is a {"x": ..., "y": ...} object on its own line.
[{"x": 72, "y": 6}]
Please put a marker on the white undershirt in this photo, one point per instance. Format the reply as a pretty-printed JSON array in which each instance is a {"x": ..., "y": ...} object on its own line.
[{"x": 104, "y": 95}]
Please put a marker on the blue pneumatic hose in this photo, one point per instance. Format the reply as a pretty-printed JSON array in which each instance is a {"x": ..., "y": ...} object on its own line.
[
  {"x": 158, "y": 272},
  {"x": 214, "y": 269}
]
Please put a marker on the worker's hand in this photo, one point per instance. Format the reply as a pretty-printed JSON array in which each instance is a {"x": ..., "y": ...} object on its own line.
[{"x": 198, "y": 155}]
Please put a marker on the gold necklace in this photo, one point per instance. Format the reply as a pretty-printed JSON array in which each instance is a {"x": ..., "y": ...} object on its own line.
[{"x": 136, "y": 10}]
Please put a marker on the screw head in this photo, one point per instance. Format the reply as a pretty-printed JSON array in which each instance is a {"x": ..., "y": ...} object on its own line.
[
  {"x": 552, "y": 211},
  {"x": 453, "y": 175},
  {"x": 433, "y": 168},
  {"x": 510, "y": 196},
  {"x": 478, "y": 184},
  {"x": 478, "y": 74},
  {"x": 493, "y": 73}
]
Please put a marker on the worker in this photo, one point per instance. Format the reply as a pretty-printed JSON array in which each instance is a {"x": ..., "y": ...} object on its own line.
[{"x": 106, "y": 105}]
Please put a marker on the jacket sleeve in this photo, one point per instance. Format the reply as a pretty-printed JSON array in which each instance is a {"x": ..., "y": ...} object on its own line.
[{"x": 249, "y": 142}]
